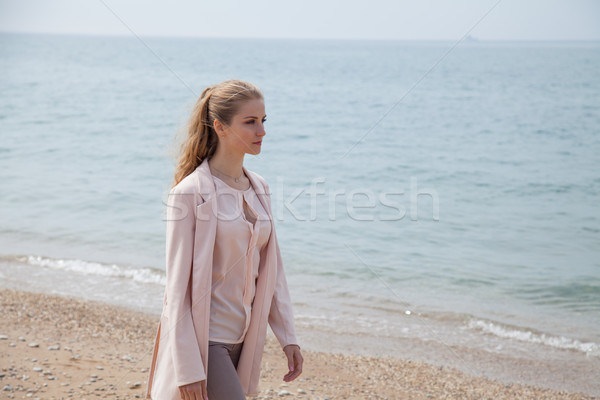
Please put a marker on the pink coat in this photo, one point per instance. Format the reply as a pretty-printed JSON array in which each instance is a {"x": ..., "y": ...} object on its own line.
[{"x": 181, "y": 348}]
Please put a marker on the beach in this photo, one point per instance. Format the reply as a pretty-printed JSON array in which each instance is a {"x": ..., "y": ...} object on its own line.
[{"x": 54, "y": 347}]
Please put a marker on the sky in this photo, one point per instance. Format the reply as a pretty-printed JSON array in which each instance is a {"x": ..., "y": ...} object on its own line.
[{"x": 314, "y": 19}]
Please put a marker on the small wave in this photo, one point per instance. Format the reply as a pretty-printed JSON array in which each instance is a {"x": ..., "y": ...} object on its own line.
[
  {"x": 143, "y": 275},
  {"x": 560, "y": 342}
]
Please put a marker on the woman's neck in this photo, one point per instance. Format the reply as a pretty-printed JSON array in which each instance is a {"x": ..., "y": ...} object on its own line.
[{"x": 228, "y": 164}]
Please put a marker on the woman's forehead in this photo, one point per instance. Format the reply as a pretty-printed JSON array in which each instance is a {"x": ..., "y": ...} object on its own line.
[{"x": 252, "y": 108}]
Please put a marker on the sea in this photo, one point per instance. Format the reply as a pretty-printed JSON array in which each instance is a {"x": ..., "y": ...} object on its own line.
[{"x": 434, "y": 200}]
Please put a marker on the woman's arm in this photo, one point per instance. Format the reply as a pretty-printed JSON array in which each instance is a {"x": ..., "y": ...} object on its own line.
[
  {"x": 181, "y": 225},
  {"x": 281, "y": 319},
  {"x": 281, "y": 316}
]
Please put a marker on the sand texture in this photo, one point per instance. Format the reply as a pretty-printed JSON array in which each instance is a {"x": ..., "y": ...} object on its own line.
[{"x": 59, "y": 348}]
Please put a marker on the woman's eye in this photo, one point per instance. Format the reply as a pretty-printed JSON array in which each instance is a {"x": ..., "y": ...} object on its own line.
[{"x": 251, "y": 121}]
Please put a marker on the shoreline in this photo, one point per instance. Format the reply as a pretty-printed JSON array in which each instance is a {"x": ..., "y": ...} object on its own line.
[{"x": 84, "y": 348}]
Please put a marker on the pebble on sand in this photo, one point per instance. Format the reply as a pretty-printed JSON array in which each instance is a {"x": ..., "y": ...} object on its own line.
[{"x": 135, "y": 385}]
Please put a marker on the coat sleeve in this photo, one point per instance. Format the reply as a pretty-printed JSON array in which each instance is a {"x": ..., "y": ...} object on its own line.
[
  {"x": 181, "y": 225},
  {"x": 281, "y": 316}
]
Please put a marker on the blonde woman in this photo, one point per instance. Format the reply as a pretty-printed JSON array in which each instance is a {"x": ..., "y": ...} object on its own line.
[{"x": 225, "y": 278}]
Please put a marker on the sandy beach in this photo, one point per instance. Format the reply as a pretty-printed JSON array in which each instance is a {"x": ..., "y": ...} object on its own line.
[{"x": 55, "y": 348}]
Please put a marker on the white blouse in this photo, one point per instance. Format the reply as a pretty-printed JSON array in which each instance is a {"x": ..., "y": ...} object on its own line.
[{"x": 242, "y": 233}]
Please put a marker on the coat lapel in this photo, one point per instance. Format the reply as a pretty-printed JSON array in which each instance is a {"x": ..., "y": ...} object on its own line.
[{"x": 260, "y": 190}]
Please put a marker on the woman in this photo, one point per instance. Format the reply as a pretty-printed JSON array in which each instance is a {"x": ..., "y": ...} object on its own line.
[{"x": 225, "y": 278}]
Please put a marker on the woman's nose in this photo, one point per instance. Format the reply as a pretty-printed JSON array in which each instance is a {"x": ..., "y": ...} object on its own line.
[{"x": 261, "y": 130}]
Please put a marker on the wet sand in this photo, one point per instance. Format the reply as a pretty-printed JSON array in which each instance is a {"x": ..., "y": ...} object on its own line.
[{"x": 58, "y": 348}]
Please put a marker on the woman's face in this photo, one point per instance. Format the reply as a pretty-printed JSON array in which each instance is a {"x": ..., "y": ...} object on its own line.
[{"x": 245, "y": 132}]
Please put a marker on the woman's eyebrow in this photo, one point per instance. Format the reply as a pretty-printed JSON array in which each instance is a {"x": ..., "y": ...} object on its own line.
[{"x": 253, "y": 117}]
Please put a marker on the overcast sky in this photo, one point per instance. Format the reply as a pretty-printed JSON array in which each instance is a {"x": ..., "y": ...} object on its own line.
[{"x": 339, "y": 19}]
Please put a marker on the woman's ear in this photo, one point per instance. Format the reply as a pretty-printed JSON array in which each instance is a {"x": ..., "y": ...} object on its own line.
[{"x": 218, "y": 126}]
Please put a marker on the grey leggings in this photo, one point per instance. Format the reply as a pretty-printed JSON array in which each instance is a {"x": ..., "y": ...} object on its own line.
[{"x": 222, "y": 381}]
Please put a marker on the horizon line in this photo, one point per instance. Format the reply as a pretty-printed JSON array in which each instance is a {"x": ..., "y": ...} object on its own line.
[{"x": 468, "y": 39}]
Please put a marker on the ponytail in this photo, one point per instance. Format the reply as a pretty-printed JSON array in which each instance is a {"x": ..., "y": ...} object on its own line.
[{"x": 201, "y": 141}]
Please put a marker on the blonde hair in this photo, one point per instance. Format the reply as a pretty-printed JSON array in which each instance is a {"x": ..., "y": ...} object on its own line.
[{"x": 218, "y": 102}]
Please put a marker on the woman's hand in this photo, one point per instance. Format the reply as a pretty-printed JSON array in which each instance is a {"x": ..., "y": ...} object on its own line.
[
  {"x": 194, "y": 391},
  {"x": 292, "y": 352}
]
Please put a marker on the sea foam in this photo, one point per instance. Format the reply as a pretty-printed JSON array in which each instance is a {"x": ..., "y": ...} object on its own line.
[
  {"x": 143, "y": 275},
  {"x": 522, "y": 335}
]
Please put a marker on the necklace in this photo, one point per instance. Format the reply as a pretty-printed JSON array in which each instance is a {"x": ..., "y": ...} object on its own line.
[{"x": 236, "y": 180}]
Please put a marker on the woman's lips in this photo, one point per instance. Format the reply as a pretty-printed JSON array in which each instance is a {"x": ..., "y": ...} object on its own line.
[{"x": 258, "y": 143}]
